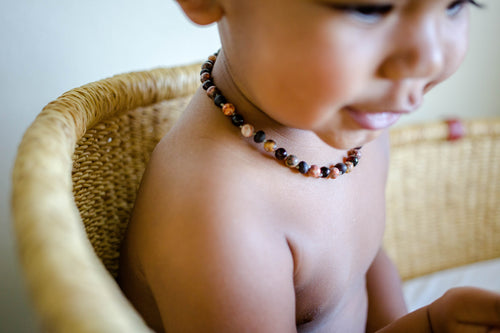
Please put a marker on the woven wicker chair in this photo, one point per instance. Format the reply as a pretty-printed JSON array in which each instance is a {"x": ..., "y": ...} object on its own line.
[{"x": 80, "y": 163}]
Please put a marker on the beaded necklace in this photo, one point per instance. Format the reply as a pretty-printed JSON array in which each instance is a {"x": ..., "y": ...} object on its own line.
[{"x": 270, "y": 146}]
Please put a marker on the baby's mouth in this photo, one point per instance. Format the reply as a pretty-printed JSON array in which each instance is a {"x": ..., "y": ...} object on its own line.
[{"x": 374, "y": 120}]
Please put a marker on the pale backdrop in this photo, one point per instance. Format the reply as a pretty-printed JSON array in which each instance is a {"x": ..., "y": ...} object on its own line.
[{"x": 48, "y": 47}]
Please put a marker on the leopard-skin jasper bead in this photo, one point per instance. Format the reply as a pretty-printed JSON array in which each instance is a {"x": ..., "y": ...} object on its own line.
[
  {"x": 247, "y": 130},
  {"x": 334, "y": 172},
  {"x": 349, "y": 166},
  {"x": 270, "y": 146},
  {"x": 228, "y": 109},
  {"x": 292, "y": 161},
  {"x": 315, "y": 171}
]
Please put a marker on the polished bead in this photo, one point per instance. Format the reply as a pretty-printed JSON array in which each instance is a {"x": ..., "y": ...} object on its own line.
[
  {"x": 205, "y": 76},
  {"x": 247, "y": 130},
  {"x": 228, "y": 109},
  {"x": 303, "y": 167},
  {"x": 237, "y": 120},
  {"x": 270, "y": 146},
  {"x": 334, "y": 172},
  {"x": 342, "y": 167},
  {"x": 353, "y": 159},
  {"x": 315, "y": 171},
  {"x": 207, "y": 84},
  {"x": 280, "y": 154},
  {"x": 259, "y": 137},
  {"x": 349, "y": 167},
  {"x": 208, "y": 65},
  {"x": 205, "y": 71},
  {"x": 325, "y": 172},
  {"x": 292, "y": 161},
  {"x": 354, "y": 152},
  {"x": 219, "y": 100},
  {"x": 212, "y": 91},
  {"x": 212, "y": 58}
]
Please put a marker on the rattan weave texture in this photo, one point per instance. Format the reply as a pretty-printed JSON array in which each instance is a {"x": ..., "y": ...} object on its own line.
[{"x": 443, "y": 197}]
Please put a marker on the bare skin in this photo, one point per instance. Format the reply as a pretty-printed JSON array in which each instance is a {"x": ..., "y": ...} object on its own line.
[
  {"x": 225, "y": 239},
  {"x": 296, "y": 238}
]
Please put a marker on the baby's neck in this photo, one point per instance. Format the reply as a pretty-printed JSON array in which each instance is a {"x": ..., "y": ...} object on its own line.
[{"x": 304, "y": 143}]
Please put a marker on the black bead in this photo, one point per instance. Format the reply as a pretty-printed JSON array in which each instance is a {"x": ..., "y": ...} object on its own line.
[
  {"x": 280, "y": 154},
  {"x": 303, "y": 167},
  {"x": 353, "y": 159},
  {"x": 325, "y": 172},
  {"x": 219, "y": 100},
  {"x": 207, "y": 84},
  {"x": 205, "y": 71},
  {"x": 237, "y": 120},
  {"x": 259, "y": 137},
  {"x": 342, "y": 167}
]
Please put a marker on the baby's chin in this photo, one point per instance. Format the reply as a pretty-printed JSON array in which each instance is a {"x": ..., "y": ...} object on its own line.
[{"x": 349, "y": 139}]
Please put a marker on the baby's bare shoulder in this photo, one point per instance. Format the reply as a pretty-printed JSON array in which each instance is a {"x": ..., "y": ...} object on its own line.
[{"x": 209, "y": 258}]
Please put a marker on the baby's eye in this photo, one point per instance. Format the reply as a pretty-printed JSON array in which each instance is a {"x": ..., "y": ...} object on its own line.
[
  {"x": 457, "y": 6},
  {"x": 366, "y": 12}
]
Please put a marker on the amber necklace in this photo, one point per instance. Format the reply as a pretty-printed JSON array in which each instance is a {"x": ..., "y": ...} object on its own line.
[{"x": 248, "y": 131}]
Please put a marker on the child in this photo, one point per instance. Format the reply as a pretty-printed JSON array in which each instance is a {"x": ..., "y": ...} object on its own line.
[{"x": 254, "y": 214}]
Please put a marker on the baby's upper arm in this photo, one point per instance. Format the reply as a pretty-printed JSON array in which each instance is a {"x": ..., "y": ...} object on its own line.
[{"x": 214, "y": 273}]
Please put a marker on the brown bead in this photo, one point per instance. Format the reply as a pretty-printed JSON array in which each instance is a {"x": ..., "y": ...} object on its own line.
[
  {"x": 212, "y": 91},
  {"x": 291, "y": 161},
  {"x": 207, "y": 65},
  {"x": 228, "y": 109},
  {"x": 270, "y": 146},
  {"x": 212, "y": 58},
  {"x": 205, "y": 76},
  {"x": 247, "y": 130},
  {"x": 315, "y": 171},
  {"x": 354, "y": 152},
  {"x": 349, "y": 166}
]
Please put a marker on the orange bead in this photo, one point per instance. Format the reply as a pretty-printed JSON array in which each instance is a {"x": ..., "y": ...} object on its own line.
[{"x": 228, "y": 109}]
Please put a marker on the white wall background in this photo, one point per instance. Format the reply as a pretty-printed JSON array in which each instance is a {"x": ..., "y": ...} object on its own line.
[{"x": 48, "y": 47}]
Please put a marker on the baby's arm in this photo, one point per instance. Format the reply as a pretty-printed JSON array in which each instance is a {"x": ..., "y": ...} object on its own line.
[
  {"x": 211, "y": 275},
  {"x": 385, "y": 295}
]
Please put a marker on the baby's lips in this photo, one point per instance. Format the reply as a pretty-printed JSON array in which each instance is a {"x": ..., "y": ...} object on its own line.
[{"x": 375, "y": 120}]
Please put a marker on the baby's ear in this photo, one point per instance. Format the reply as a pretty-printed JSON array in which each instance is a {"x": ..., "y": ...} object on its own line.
[{"x": 202, "y": 11}]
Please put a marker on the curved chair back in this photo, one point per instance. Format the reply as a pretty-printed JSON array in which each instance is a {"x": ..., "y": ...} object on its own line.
[{"x": 74, "y": 182}]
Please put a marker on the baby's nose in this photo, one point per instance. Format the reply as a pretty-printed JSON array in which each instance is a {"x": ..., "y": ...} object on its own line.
[{"x": 418, "y": 53}]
